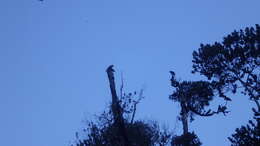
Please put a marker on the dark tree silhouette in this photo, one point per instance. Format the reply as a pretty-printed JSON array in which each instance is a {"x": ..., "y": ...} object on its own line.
[
  {"x": 109, "y": 127},
  {"x": 117, "y": 109},
  {"x": 139, "y": 133},
  {"x": 189, "y": 139},
  {"x": 248, "y": 135},
  {"x": 235, "y": 64},
  {"x": 194, "y": 97}
]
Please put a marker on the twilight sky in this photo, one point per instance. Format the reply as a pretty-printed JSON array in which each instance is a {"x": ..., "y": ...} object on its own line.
[{"x": 53, "y": 56}]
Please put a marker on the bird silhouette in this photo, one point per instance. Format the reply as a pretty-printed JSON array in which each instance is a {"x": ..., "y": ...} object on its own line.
[
  {"x": 172, "y": 73},
  {"x": 110, "y": 68}
]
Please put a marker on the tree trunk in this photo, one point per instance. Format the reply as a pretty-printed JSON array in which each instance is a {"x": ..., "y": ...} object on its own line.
[
  {"x": 184, "y": 118},
  {"x": 116, "y": 109}
]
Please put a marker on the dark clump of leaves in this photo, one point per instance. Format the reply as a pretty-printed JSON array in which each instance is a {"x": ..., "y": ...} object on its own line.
[
  {"x": 248, "y": 135},
  {"x": 103, "y": 131},
  {"x": 193, "y": 97},
  {"x": 189, "y": 139},
  {"x": 233, "y": 64},
  {"x": 139, "y": 133}
]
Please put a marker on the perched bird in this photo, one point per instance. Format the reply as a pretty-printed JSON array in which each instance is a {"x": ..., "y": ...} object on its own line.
[
  {"x": 172, "y": 73},
  {"x": 174, "y": 82},
  {"x": 110, "y": 68}
]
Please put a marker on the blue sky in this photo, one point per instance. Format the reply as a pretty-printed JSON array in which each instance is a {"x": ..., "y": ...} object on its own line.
[{"x": 53, "y": 56}]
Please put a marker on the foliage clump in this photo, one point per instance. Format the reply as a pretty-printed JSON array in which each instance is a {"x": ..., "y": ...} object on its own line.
[
  {"x": 189, "y": 139},
  {"x": 235, "y": 64},
  {"x": 103, "y": 131}
]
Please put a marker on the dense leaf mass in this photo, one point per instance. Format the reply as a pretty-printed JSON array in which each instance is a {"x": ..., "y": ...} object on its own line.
[
  {"x": 195, "y": 96},
  {"x": 103, "y": 131},
  {"x": 189, "y": 139},
  {"x": 248, "y": 135},
  {"x": 139, "y": 133},
  {"x": 233, "y": 63}
]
